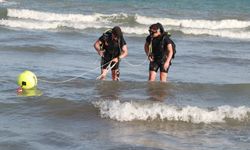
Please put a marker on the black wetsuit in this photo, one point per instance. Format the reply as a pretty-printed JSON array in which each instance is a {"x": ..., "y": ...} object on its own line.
[
  {"x": 111, "y": 50},
  {"x": 159, "y": 54}
]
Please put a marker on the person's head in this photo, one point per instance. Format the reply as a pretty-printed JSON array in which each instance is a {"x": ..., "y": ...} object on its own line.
[
  {"x": 156, "y": 29},
  {"x": 116, "y": 33}
]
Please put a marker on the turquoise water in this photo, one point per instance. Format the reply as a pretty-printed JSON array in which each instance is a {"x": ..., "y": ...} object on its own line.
[{"x": 204, "y": 105}]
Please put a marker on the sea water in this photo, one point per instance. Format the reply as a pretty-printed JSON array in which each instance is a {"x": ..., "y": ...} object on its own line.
[{"x": 204, "y": 105}]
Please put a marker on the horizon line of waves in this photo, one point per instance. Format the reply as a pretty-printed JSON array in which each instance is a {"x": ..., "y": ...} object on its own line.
[
  {"x": 131, "y": 111},
  {"x": 195, "y": 23}
]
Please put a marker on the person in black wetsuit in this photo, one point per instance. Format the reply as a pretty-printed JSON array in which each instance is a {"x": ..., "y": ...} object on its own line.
[
  {"x": 112, "y": 47},
  {"x": 159, "y": 49}
]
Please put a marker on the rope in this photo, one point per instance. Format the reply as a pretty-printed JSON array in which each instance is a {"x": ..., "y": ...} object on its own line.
[
  {"x": 55, "y": 82},
  {"x": 135, "y": 65},
  {"x": 98, "y": 78},
  {"x": 108, "y": 69}
]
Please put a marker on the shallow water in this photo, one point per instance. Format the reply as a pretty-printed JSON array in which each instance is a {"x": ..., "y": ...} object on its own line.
[{"x": 204, "y": 105}]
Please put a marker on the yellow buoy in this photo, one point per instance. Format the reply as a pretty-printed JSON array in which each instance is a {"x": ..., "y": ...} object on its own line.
[{"x": 27, "y": 80}]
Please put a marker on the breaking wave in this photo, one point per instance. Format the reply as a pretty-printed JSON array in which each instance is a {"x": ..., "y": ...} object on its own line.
[
  {"x": 131, "y": 24},
  {"x": 200, "y": 24},
  {"x": 130, "y": 111}
]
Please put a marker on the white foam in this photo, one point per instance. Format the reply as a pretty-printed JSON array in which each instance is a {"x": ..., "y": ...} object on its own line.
[
  {"x": 47, "y": 16},
  {"x": 191, "y": 23},
  {"x": 40, "y": 25},
  {"x": 2, "y": 1},
  {"x": 129, "y": 111},
  {"x": 38, "y": 20},
  {"x": 219, "y": 33},
  {"x": 135, "y": 30}
]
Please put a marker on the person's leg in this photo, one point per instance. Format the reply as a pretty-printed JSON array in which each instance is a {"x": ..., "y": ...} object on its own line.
[
  {"x": 115, "y": 75},
  {"x": 152, "y": 76},
  {"x": 153, "y": 67},
  {"x": 163, "y": 76},
  {"x": 103, "y": 74},
  {"x": 104, "y": 71},
  {"x": 115, "y": 72},
  {"x": 163, "y": 73}
]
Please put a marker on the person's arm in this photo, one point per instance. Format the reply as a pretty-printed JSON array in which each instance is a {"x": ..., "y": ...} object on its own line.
[
  {"x": 124, "y": 52},
  {"x": 147, "y": 51},
  {"x": 98, "y": 47},
  {"x": 146, "y": 48},
  {"x": 170, "y": 53},
  {"x": 169, "y": 56}
]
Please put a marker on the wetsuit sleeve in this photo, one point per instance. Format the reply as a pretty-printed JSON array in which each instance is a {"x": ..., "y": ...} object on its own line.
[
  {"x": 122, "y": 42},
  {"x": 148, "y": 39},
  {"x": 167, "y": 41}
]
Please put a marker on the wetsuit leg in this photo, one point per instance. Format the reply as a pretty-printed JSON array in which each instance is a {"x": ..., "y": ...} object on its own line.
[
  {"x": 104, "y": 63},
  {"x": 162, "y": 69},
  {"x": 154, "y": 66},
  {"x": 116, "y": 65}
]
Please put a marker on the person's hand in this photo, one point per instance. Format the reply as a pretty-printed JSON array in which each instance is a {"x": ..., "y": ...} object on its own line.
[
  {"x": 166, "y": 65},
  {"x": 115, "y": 60},
  {"x": 151, "y": 58}
]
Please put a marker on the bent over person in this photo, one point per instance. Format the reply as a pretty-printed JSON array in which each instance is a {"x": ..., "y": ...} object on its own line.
[
  {"x": 112, "y": 47},
  {"x": 160, "y": 51}
]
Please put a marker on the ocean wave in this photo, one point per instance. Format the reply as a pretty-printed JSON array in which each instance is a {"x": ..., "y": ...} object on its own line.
[
  {"x": 131, "y": 24},
  {"x": 219, "y": 33},
  {"x": 47, "y": 16},
  {"x": 41, "y": 25},
  {"x": 144, "y": 20},
  {"x": 130, "y": 111},
  {"x": 191, "y": 23}
]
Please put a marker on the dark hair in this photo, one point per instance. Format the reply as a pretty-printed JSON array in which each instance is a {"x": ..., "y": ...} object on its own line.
[
  {"x": 160, "y": 27},
  {"x": 117, "y": 32},
  {"x": 157, "y": 26}
]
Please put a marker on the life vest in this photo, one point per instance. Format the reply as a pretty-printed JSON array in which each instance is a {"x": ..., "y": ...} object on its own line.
[
  {"x": 106, "y": 38},
  {"x": 162, "y": 46},
  {"x": 164, "y": 36}
]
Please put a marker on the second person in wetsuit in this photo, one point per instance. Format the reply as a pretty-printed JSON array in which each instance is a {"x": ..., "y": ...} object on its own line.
[{"x": 159, "y": 49}]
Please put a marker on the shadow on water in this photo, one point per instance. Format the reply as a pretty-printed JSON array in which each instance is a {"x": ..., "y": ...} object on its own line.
[
  {"x": 108, "y": 90},
  {"x": 126, "y": 91},
  {"x": 157, "y": 91},
  {"x": 153, "y": 91}
]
